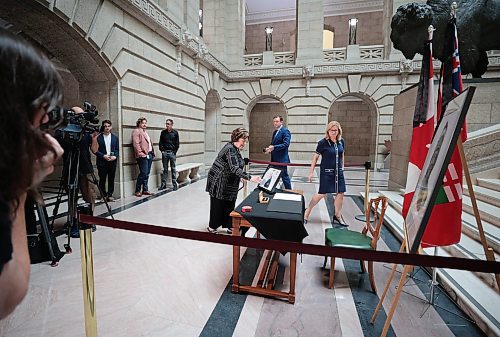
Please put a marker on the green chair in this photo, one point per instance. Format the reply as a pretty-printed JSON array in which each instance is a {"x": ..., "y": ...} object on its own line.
[{"x": 335, "y": 237}]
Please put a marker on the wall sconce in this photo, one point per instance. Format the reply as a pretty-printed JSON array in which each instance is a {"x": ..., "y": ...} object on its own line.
[
  {"x": 269, "y": 38},
  {"x": 353, "y": 26}
]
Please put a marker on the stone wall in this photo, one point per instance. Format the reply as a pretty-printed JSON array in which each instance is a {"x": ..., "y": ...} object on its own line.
[
  {"x": 255, "y": 37},
  {"x": 484, "y": 110},
  {"x": 402, "y": 127},
  {"x": 261, "y": 126},
  {"x": 358, "y": 123},
  {"x": 369, "y": 32}
]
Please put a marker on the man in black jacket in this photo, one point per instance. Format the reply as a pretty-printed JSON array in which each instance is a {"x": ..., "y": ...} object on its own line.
[
  {"x": 169, "y": 144},
  {"x": 106, "y": 158}
]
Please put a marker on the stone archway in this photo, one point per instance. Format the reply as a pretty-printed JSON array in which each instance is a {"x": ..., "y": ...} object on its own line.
[
  {"x": 261, "y": 124},
  {"x": 358, "y": 118},
  {"x": 212, "y": 118},
  {"x": 86, "y": 74}
]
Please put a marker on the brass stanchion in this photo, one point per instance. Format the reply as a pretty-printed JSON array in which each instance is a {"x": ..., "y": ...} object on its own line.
[
  {"x": 89, "y": 307},
  {"x": 362, "y": 217}
]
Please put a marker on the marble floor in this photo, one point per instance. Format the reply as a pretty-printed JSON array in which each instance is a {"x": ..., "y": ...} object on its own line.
[{"x": 148, "y": 285}]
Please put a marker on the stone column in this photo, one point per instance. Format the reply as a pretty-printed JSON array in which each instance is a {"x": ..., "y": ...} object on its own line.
[
  {"x": 191, "y": 16},
  {"x": 309, "y": 25},
  {"x": 224, "y": 29},
  {"x": 390, "y": 7}
]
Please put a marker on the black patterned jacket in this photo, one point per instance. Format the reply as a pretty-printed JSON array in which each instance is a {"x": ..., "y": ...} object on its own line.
[{"x": 224, "y": 176}]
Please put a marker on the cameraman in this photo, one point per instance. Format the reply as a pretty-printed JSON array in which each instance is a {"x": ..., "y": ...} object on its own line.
[
  {"x": 29, "y": 87},
  {"x": 83, "y": 171}
]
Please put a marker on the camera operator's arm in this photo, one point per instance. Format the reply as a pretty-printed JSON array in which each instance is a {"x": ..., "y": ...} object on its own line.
[{"x": 94, "y": 147}]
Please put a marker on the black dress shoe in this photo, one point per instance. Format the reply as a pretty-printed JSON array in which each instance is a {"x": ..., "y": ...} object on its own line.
[{"x": 340, "y": 221}]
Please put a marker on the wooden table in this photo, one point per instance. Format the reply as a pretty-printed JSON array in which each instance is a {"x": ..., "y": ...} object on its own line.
[{"x": 267, "y": 277}]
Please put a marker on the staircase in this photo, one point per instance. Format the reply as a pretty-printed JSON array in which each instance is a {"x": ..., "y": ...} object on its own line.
[{"x": 476, "y": 293}]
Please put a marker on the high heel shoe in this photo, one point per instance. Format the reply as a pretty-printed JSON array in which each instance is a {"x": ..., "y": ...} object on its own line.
[
  {"x": 340, "y": 220},
  {"x": 305, "y": 220}
]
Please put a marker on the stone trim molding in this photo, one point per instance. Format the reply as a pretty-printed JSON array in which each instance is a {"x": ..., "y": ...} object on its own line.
[{"x": 197, "y": 49}]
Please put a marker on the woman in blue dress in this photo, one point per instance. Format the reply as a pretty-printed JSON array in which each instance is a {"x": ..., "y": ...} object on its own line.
[{"x": 331, "y": 177}]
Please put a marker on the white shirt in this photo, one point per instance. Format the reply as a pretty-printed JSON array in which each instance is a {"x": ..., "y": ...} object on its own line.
[{"x": 107, "y": 143}]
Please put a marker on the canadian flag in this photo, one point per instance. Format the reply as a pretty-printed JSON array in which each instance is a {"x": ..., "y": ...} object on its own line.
[{"x": 445, "y": 223}]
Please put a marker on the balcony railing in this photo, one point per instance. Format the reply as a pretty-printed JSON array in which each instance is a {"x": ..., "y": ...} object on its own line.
[
  {"x": 286, "y": 57},
  {"x": 334, "y": 55},
  {"x": 371, "y": 52},
  {"x": 252, "y": 60}
]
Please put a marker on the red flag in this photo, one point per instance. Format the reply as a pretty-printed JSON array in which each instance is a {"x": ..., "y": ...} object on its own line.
[
  {"x": 445, "y": 224},
  {"x": 423, "y": 130}
]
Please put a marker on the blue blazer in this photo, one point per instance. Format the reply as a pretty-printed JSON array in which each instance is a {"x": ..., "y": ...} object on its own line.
[
  {"x": 281, "y": 142},
  {"x": 102, "y": 148}
]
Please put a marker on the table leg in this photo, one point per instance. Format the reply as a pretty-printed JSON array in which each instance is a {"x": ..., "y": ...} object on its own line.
[
  {"x": 236, "y": 258},
  {"x": 293, "y": 270}
]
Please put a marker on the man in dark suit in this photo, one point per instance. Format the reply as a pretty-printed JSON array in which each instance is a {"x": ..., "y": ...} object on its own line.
[
  {"x": 279, "y": 148},
  {"x": 107, "y": 155}
]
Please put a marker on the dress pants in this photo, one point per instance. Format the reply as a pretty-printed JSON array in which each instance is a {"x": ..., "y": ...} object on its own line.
[
  {"x": 285, "y": 177},
  {"x": 106, "y": 171},
  {"x": 219, "y": 213}
]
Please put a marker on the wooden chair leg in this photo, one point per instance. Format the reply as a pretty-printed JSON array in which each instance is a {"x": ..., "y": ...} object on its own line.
[
  {"x": 324, "y": 262},
  {"x": 362, "y": 265},
  {"x": 332, "y": 272},
  {"x": 372, "y": 276}
]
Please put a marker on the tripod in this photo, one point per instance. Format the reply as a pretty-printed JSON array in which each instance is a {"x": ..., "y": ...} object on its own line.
[
  {"x": 69, "y": 183},
  {"x": 432, "y": 296}
]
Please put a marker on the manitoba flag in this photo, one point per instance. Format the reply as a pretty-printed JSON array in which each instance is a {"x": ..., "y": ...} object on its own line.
[{"x": 445, "y": 224}]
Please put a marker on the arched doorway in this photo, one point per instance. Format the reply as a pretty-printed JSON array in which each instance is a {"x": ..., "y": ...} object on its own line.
[
  {"x": 357, "y": 116},
  {"x": 86, "y": 74},
  {"x": 261, "y": 124},
  {"x": 212, "y": 115}
]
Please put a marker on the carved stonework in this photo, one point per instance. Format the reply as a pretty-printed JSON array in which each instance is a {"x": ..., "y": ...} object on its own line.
[
  {"x": 179, "y": 59},
  {"x": 200, "y": 51},
  {"x": 478, "y": 23},
  {"x": 405, "y": 68},
  {"x": 308, "y": 73}
]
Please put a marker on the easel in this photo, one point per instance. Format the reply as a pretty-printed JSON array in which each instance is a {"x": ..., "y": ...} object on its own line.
[{"x": 404, "y": 247}]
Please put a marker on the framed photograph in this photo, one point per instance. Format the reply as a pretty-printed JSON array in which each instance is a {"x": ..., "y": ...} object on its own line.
[
  {"x": 270, "y": 180},
  {"x": 435, "y": 166}
]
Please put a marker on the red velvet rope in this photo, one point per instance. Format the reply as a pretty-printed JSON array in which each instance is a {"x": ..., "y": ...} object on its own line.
[
  {"x": 286, "y": 246},
  {"x": 273, "y": 163}
]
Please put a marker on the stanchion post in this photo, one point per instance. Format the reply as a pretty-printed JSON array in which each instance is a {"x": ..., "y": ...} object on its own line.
[
  {"x": 362, "y": 217},
  {"x": 89, "y": 307},
  {"x": 368, "y": 166}
]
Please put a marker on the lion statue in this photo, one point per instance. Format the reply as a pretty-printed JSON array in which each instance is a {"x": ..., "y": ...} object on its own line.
[{"x": 478, "y": 26}]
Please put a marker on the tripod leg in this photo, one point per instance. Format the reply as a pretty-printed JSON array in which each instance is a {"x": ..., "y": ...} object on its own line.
[
  {"x": 45, "y": 230},
  {"x": 96, "y": 183}
]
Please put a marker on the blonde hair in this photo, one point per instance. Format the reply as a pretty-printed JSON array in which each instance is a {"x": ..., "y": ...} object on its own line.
[{"x": 331, "y": 125}]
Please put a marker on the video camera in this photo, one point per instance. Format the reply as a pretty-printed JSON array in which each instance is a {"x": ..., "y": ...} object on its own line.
[{"x": 70, "y": 126}]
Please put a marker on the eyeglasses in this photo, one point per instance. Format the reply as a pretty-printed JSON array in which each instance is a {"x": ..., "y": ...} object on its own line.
[{"x": 168, "y": 123}]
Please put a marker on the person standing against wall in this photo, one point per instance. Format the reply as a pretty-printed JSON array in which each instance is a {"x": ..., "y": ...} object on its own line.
[
  {"x": 106, "y": 159},
  {"x": 144, "y": 154},
  {"x": 279, "y": 148},
  {"x": 169, "y": 144}
]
